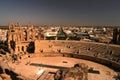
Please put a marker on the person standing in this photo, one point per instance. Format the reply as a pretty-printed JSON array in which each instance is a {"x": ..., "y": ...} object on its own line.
[{"x": 28, "y": 58}]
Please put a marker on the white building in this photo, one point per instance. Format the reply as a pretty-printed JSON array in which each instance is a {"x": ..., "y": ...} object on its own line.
[{"x": 3, "y": 35}]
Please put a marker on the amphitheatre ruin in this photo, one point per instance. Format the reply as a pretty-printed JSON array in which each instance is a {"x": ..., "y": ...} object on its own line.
[{"x": 57, "y": 59}]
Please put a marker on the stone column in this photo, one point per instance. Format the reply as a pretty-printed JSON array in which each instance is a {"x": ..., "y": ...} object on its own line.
[{"x": 27, "y": 35}]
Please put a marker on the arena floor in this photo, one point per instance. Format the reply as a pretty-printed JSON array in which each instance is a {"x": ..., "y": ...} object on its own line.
[{"x": 39, "y": 64}]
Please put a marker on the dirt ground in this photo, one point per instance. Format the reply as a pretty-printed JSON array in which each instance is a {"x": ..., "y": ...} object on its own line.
[{"x": 52, "y": 64}]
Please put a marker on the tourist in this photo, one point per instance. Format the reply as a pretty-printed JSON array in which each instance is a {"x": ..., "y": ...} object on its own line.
[{"x": 28, "y": 58}]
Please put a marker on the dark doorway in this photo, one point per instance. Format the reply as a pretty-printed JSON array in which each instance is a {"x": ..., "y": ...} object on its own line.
[
  {"x": 22, "y": 48},
  {"x": 31, "y": 47}
]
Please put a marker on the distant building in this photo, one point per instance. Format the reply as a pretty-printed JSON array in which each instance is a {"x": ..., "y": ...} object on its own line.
[
  {"x": 99, "y": 31},
  {"x": 82, "y": 35},
  {"x": 115, "y": 33},
  {"x": 3, "y": 35},
  {"x": 50, "y": 35},
  {"x": 116, "y": 36},
  {"x": 61, "y": 35}
]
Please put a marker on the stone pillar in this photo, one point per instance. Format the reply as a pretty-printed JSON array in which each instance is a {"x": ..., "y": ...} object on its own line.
[
  {"x": 25, "y": 48},
  {"x": 21, "y": 33},
  {"x": 27, "y": 35},
  {"x": 16, "y": 49}
]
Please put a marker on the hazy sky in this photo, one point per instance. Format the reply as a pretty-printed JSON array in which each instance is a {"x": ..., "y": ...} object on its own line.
[{"x": 77, "y": 12}]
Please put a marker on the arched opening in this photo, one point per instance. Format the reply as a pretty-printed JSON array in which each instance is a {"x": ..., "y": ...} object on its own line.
[
  {"x": 31, "y": 47},
  {"x": 25, "y": 35},
  {"x": 22, "y": 48},
  {"x": 1, "y": 70},
  {"x": 7, "y": 71}
]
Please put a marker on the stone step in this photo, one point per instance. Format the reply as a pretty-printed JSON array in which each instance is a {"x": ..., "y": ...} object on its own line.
[{"x": 43, "y": 75}]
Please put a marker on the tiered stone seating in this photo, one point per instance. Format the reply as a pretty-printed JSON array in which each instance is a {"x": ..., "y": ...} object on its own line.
[
  {"x": 98, "y": 50},
  {"x": 115, "y": 50}
]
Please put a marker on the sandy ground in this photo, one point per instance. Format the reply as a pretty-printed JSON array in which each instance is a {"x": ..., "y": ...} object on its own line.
[{"x": 52, "y": 64}]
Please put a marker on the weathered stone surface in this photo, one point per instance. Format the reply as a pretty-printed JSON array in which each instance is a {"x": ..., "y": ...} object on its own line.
[
  {"x": 5, "y": 77},
  {"x": 1, "y": 78},
  {"x": 4, "y": 66},
  {"x": 78, "y": 72}
]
